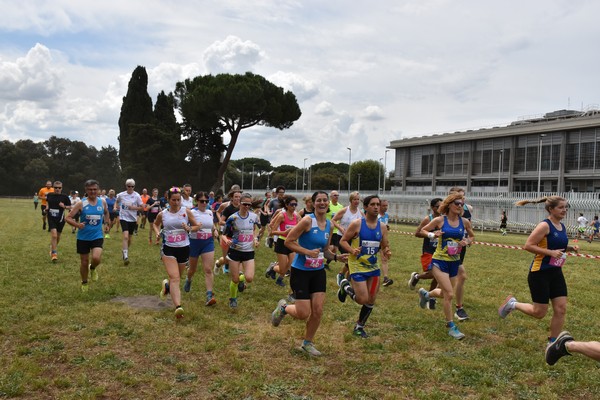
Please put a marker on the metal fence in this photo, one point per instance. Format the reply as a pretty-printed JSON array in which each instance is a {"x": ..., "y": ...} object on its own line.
[{"x": 411, "y": 207}]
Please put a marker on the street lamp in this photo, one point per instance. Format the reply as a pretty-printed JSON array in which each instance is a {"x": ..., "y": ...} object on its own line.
[
  {"x": 500, "y": 166},
  {"x": 349, "y": 163},
  {"x": 379, "y": 177},
  {"x": 540, "y": 164},
  {"x": 358, "y": 188},
  {"x": 384, "y": 169},
  {"x": 303, "y": 173},
  {"x": 252, "y": 177}
]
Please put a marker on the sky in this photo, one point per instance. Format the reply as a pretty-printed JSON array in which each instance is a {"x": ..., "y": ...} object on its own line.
[{"x": 364, "y": 73}]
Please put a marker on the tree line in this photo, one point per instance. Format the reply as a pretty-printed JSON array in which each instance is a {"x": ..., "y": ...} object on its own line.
[{"x": 179, "y": 140}]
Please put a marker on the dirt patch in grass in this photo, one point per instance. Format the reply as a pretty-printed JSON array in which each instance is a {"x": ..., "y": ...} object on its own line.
[{"x": 143, "y": 302}]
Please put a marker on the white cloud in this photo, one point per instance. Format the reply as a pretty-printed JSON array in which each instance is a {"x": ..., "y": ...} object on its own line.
[
  {"x": 232, "y": 55},
  {"x": 373, "y": 113},
  {"x": 33, "y": 77},
  {"x": 304, "y": 89},
  {"x": 324, "y": 108}
]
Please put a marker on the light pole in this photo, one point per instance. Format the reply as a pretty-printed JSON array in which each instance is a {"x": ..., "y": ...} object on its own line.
[
  {"x": 358, "y": 187},
  {"x": 303, "y": 174},
  {"x": 252, "y": 178},
  {"x": 384, "y": 169},
  {"x": 540, "y": 164},
  {"x": 349, "y": 163},
  {"x": 379, "y": 177},
  {"x": 500, "y": 166}
]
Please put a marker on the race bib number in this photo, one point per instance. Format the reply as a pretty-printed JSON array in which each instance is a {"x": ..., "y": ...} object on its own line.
[
  {"x": 369, "y": 247},
  {"x": 317, "y": 262},
  {"x": 453, "y": 248},
  {"x": 246, "y": 236},
  {"x": 558, "y": 262},
  {"x": 92, "y": 219},
  {"x": 202, "y": 234},
  {"x": 176, "y": 236},
  {"x": 154, "y": 210},
  {"x": 433, "y": 242},
  {"x": 53, "y": 212}
]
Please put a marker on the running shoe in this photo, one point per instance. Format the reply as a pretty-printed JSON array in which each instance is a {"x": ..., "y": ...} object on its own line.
[
  {"x": 558, "y": 349},
  {"x": 507, "y": 306},
  {"x": 270, "y": 272},
  {"x": 242, "y": 283},
  {"x": 216, "y": 269},
  {"x": 93, "y": 273},
  {"x": 279, "y": 312},
  {"x": 387, "y": 281},
  {"x": 225, "y": 268},
  {"x": 54, "y": 257},
  {"x": 125, "y": 260},
  {"x": 233, "y": 303},
  {"x": 288, "y": 273},
  {"x": 341, "y": 294},
  {"x": 210, "y": 300},
  {"x": 187, "y": 285},
  {"x": 423, "y": 298},
  {"x": 107, "y": 236},
  {"x": 165, "y": 289},
  {"x": 179, "y": 312},
  {"x": 310, "y": 349},
  {"x": 291, "y": 298},
  {"x": 84, "y": 287},
  {"x": 360, "y": 332},
  {"x": 339, "y": 277},
  {"x": 461, "y": 314},
  {"x": 280, "y": 282},
  {"x": 455, "y": 333},
  {"x": 431, "y": 303},
  {"x": 414, "y": 279}
]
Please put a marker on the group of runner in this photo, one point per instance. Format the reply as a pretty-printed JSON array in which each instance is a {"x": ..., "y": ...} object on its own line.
[{"x": 306, "y": 242}]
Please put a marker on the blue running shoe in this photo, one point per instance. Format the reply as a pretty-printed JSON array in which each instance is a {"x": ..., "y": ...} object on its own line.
[
  {"x": 423, "y": 298},
  {"x": 187, "y": 285}
]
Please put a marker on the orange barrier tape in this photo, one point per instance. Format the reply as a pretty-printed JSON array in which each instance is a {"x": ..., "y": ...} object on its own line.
[{"x": 506, "y": 246}]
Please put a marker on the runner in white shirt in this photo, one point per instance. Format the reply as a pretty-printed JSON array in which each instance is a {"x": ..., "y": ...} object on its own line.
[
  {"x": 187, "y": 200},
  {"x": 583, "y": 222},
  {"x": 128, "y": 203}
]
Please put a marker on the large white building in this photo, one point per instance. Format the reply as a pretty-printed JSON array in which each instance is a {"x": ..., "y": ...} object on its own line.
[{"x": 556, "y": 152}]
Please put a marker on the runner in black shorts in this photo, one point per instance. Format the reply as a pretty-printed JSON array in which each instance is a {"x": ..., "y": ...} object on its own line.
[{"x": 549, "y": 242}]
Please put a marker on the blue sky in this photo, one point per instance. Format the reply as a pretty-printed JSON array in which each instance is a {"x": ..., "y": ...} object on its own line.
[{"x": 364, "y": 73}]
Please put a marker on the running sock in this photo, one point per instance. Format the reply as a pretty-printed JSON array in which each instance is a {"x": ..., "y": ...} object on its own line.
[
  {"x": 449, "y": 324},
  {"x": 364, "y": 314},
  {"x": 349, "y": 290},
  {"x": 233, "y": 290},
  {"x": 125, "y": 253}
]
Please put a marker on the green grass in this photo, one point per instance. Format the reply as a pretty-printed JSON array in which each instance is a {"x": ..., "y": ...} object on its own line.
[{"x": 57, "y": 343}]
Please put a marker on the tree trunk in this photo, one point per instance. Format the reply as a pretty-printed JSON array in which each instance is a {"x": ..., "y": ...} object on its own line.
[{"x": 219, "y": 182}]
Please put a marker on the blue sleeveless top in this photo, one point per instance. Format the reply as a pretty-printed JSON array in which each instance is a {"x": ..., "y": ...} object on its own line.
[
  {"x": 93, "y": 218},
  {"x": 315, "y": 238}
]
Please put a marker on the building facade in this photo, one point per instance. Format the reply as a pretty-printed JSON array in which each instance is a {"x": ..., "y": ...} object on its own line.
[{"x": 556, "y": 152}]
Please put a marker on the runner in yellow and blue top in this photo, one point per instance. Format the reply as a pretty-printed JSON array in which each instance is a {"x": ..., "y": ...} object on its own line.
[
  {"x": 240, "y": 236},
  {"x": 453, "y": 232},
  {"x": 549, "y": 242},
  {"x": 93, "y": 213},
  {"x": 364, "y": 239}
]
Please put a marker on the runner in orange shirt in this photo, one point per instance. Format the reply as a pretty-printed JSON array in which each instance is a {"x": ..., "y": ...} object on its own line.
[{"x": 42, "y": 196}]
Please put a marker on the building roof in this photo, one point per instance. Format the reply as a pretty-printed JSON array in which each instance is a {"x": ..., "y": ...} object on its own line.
[{"x": 549, "y": 122}]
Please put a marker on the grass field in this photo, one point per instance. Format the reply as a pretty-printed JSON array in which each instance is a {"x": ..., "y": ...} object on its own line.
[{"x": 57, "y": 343}]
